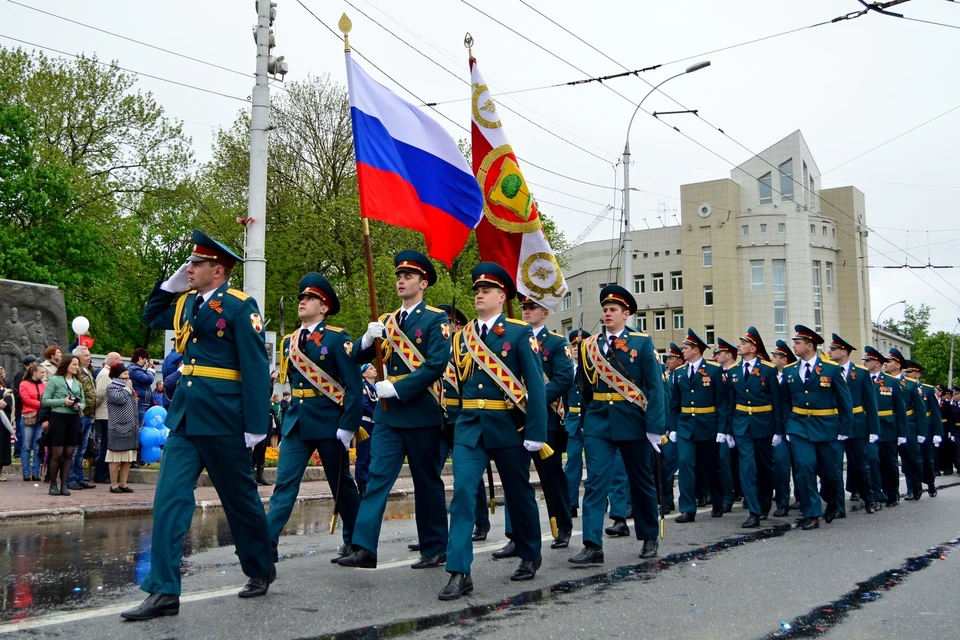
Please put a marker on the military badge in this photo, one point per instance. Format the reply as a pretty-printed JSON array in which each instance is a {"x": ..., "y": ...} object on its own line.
[
  {"x": 817, "y": 369},
  {"x": 498, "y": 329},
  {"x": 216, "y": 305},
  {"x": 256, "y": 322},
  {"x": 506, "y": 349},
  {"x": 633, "y": 353},
  {"x": 568, "y": 350},
  {"x": 348, "y": 347},
  {"x": 445, "y": 330},
  {"x": 323, "y": 352},
  {"x": 853, "y": 373},
  {"x": 221, "y": 324},
  {"x": 534, "y": 345},
  {"x": 826, "y": 381},
  {"x": 419, "y": 335}
]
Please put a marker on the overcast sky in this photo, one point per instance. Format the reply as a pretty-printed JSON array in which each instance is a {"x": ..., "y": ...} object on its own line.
[{"x": 848, "y": 87}]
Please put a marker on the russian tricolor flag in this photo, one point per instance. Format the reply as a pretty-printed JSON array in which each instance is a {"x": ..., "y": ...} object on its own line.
[{"x": 410, "y": 171}]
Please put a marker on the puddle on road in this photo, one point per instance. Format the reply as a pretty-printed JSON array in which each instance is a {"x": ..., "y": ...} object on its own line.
[{"x": 59, "y": 567}]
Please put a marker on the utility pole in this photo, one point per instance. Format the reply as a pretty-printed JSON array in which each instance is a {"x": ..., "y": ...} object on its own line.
[{"x": 255, "y": 265}]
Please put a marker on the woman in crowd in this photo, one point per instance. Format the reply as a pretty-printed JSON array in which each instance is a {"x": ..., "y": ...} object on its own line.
[
  {"x": 143, "y": 374},
  {"x": 8, "y": 408},
  {"x": 64, "y": 397},
  {"x": 159, "y": 397},
  {"x": 123, "y": 427},
  {"x": 31, "y": 392}
]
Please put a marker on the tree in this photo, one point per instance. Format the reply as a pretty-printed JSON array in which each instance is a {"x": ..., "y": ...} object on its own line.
[{"x": 915, "y": 322}]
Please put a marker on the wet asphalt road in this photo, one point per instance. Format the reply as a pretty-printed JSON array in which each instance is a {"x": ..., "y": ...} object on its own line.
[{"x": 713, "y": 580}]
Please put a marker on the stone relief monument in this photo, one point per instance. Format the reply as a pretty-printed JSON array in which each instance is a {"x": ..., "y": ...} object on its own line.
[{"x": 32, "y": 317}]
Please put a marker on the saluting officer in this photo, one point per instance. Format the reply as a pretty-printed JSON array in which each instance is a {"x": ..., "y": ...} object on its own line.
[
  {"x": 573, "y": 468},
  {"x": 756, "y": 423},
  {"x": 416, "y": 350},
  {"x": 865, "y": 423},
  {"x": 325, "y": 411},
  {"x": 503, "y": 417},
  {"x": 909, "y": 446},
  {"x": 623, "y": 411},
  {"x": 892, "y": 415},
  {"x": 781, "y": 356},
  {"x": 933, "y": 435},
  {"x": 220, "y": 410},
  {"x": 698, "y": 400},
  {"x": 818, "y": 412}
]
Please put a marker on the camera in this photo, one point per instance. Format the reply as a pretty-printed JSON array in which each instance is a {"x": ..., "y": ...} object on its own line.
[{"x": 76, "y": 404}]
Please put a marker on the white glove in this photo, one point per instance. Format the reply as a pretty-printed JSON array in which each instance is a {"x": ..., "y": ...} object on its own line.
[
  {"x": 776, "y": 440},
  {"x": 654, "y": 440},
  {"x": 953, "y": 437},
  {"x": 532, "y": 445},
  {"x": 874, "y": 437},
  {"x": 252, "y": 439},
  {"x": 673, "y": 436},
  {"x": 788, "y": 437},
  {"x": 921, "y": 439},
  {"x": 937, "y": 440},
  {"x": 901, "y": 441},
  {"x": 385, "y": 389},
  {"x": 721, "y": 438},
  {"x": 345, "y": 437},
  {"x": 178, "y": 282},
  {"x": 842, "y": 438},
  {"x": 731, "y": 442},
  {"x": 374, "y": 331}
]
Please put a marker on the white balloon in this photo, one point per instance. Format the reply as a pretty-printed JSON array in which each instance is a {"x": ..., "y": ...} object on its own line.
[{"x": 80, "y": 325}]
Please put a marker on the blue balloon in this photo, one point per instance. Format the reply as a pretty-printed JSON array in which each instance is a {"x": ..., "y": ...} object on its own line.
[
  {"x": 155, "y": 417},
  {"x": 149, "y": 437},
  {"x": 150, "y": 454}
]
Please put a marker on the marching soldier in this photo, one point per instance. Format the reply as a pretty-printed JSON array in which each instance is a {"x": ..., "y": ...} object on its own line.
[
  {"x": 416, "y": 351},
  {"x": 325, "y": 410},
  {"x": 623, "y": 400},
  {"x": 892, "y": 416},
  {"x": 220, "y": 410},
  {"x": 503, "y": 417},
  {"x": 573, "y": 468},
  {"x": 726, "y": 356},
  {"x": 755, "y": 423},
  {"x": 865, "y": 423},
  {"x": 698, "y": 400},
  {"x": 670, "y": 459},
  {"x": 933, "y": 435},
  {"x": 909, "y": 446},
  {"x": 781, "y": 356},
  {"x": 946, "y": 452}
]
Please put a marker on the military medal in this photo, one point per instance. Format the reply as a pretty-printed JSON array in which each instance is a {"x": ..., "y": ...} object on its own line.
[
  {"x": 418, "y": 333},
  {"x": 221, "y": 323},
  {"x": 506, "y": 349},
  {"x": 323, "y": 352}
]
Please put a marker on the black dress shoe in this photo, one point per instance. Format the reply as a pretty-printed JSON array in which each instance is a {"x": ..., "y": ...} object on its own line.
[
  {"x": 562, "y": 541},
  {"x": 508, "y": 550},
  {"x": 795, "y": 505},
  {"x": 588, "y": 555},
  {"x": 669, "y": 507},
  {"x": 716, "y": 513},
  {"x": 257, "y": 587},
  {"x": 810, "y": 523},
  {"x": 650, "y": 549},
  {"x": 480, "y": 533},
  {"x": 156, "y": 604},
  {"x": 752, "y": 522},
  {"x": 854, "y": 496},
  {"x": 429, "y": 562},
  {"x": 917, "y": 493},
  {"x": 573, "y": 512},
  {"x": 932, "y": 491},
  {"x": 891, "y": 503},
  {"x": 727, "y": 508},
  {"x": 360, "y": 559},
  {"x": 764, "y": 515},
  {"x": 460, "y": 584},
  {"x": 868, "y": 507},
  {"x": 527, "y": 570},
  {"x": 263, "y": 482},
  {"x": 781, "y": 512},
  {"x": 414, "y": 546},
  {"x": 701, "y": 502},
  {"x": 618, "y": 528},
  {"x": 829, "y": 515},
  {"x": 35, "y": 478},
  {"x": 87, "y": 485},
  {"x": 344, "y": 550},
  {"x": 686, "y": 517}
]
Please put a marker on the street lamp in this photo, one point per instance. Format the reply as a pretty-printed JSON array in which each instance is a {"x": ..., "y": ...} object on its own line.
[
  {"x": 880, "y": 315},
  {"x": 628, "y": 240}
]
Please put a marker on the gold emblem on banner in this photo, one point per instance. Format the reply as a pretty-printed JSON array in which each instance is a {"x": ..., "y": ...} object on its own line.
[
  {"x": 488, "y": 106},
  {"x": 500, "y": 171},
  {"x": 541, "y": 275}
]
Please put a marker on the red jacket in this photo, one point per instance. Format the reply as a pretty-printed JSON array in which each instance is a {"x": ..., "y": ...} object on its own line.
[{"x": 30, "y": 394}]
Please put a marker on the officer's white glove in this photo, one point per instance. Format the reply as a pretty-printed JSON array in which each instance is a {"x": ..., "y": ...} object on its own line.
[
  {"x": 788, "y": 437},
  {"x": 953, "y": 437},
  {"x": 673, "y": 436},
  {"x": 178, "y": 282},
  {"x": 901, "y": 441},
  {"x": 345, "y": 437},
  {"x": 654, "y": 440},
  {"x": 721, "y": 438},
  {"x": 776, "y": 440},
  {"x": 532, "y": 445},
  {"x": 374, "y": 331},
  {"x": 842, "y": 438},
  {"x": 874, "y": 437},
  {"x": 385, "y": 389},
  {"x": 921, "y": 439},
  {"x": 252, "y": 439},
  {"x": 730, "y": 441},
  {"x": 937, "y": 440}
]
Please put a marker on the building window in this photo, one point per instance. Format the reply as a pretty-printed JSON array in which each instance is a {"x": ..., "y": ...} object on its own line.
[
  {"x": 659, "y": 321},
  {"x": 812, "y": 194},
  {"x": 781, "y": 227},
  {"x": 579, "y": 296},
  {"x": 666, "y": 253},
  {"x": 745, "y": 229},
  {"x": 834, "y": 233},
  {"x": 644, "y": 255},
  {"x": 565, "y": 302},
  {"x": 804, "y": 183},
  {"x": 817, "y": 310},
  {"x": 828, "y": 277},
  {"x": 676, "y": 281},
  {"x": 824, "y": 230},
  {"x": 813, "y": 229},
  {"x": 756, "y": 275},
  {"x": 780, "y": 297},
  {"x": 708, "y": 256},
  {"x": 786, "y": 180},
  {"x": 678, "y": 251},
  {"x": 657, "y": 282},
  {"x": 708, "y": 295},
  {"x": 603, "y": 284},
  {"x": 708, "y": 334},
  {"x": 678, "y": 319},
  {"x": 642, "y": 323},
  {"x": 639, "y": 286},
  {"x": 763, "y": 228},
  {"x": 766, "y": 189}
]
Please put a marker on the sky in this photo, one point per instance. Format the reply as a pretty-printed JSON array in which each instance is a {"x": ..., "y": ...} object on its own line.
[{"x": 849, "y": 86}]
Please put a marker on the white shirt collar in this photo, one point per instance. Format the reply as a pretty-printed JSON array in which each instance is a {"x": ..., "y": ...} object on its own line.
[
  {"x": 489, "y": 323},
  {"x": 752, "y": 363},
  {"x": 409, "y": 310},
  {"x": 812, "y": 362},
  {"x": 311, "y": 328},
  {"x": 537, "y": 332},
  {"x": 696, "y": 365}
]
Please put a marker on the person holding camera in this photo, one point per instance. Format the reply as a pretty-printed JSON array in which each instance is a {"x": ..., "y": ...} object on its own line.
[{"x": 64, "y": 397}]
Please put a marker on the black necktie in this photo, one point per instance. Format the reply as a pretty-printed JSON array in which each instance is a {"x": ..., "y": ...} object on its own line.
[
  {"x": 483, "y": 332},
  {"x": 746, "y": 369},
  {"x": 403, "y": 317},
  {"x": 611, "y": 346},
  {"x": 303, "y": 339},
  {"x": 806, "y": 372},
  {"x": 197, "y": 302},
  {"x": 690, "y": 372}
]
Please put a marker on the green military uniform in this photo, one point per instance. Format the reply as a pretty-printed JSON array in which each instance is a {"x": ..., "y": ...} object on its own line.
[
  {"x": 916, "y": 425},
  {"x": 223, "y": 394},
  {"x": 932, "y": 435},
  {"x": 573, "y": 423},
  {"x": 892, "y": 419}
]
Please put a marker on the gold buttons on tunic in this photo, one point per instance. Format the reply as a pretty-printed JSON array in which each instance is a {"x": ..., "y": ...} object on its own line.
[
  {"x": 193, "y": 361},
  {"x": 194, "y": 339},
  {"x": 481, "y": 403},
  {"x": 480, "y": 386},
  {"x": 189, "y": 383}
]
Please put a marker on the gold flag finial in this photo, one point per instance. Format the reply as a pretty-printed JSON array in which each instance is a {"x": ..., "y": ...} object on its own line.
[
  {"x": 345, "y": 25},
  {"x": 468, "y": 43}
]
